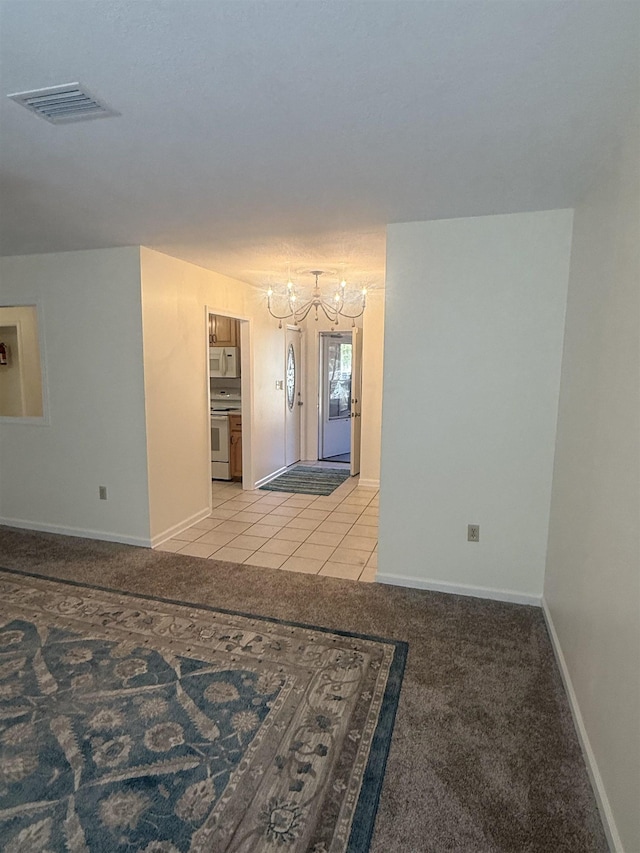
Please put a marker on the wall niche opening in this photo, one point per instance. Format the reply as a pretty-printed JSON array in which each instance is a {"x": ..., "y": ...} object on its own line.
[{"x": 21, "y": 387}]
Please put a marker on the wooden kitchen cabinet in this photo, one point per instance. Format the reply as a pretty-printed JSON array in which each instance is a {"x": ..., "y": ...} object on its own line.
[
  {"x": 223, "y": 331},
  {"x": 235, "y": 446}
]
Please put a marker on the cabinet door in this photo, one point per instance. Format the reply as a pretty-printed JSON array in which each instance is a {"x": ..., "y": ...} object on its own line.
[
  {"x": 225, "y": 332},
  {"x": 235, "y": 457}
]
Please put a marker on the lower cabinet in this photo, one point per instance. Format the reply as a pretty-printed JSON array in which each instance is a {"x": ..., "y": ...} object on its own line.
[{"x": 235, "y": 445}]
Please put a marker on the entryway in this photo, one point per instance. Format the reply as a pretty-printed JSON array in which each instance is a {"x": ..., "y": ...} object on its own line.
[
  {"x": 335, "y": 535},
  {"x": 339, "y": 392}
]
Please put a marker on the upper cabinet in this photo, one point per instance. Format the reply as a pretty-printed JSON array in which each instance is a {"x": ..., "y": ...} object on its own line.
[{"x": 223, "y": 331}]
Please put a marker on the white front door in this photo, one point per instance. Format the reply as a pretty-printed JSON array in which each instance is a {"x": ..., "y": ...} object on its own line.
[
  {"x": 335, "y": 400},
  {"x": 293, "y": 397},
  {"x": 356, "y": 402}
]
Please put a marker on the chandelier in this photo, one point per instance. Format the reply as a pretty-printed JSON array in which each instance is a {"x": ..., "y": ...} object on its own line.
[{"x": 297, "y": 306}]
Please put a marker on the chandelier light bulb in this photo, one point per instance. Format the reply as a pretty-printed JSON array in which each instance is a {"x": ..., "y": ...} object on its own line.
[
  {"x": 343, "y": 284},
  {"x": 270, "y": 292}
]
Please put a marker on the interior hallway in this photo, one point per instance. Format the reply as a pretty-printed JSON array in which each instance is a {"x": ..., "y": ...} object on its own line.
[{"x": 336, "y": 535}]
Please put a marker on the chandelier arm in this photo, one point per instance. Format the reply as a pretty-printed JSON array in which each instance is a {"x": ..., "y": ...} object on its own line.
[
  {"x": 353, "y": 316},
  {"x": 332, "y": 316},
  {"x": 278, "y": 316},
  {"x": 304, "y": 311}
]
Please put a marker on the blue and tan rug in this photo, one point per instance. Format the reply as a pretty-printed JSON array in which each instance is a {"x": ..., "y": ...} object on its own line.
[
  {"x": 141, "y": 724},
  {"x": 307, "y": 480}
]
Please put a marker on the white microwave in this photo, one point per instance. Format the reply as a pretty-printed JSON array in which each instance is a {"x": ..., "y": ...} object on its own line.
[{"x": 224, "y": 362}]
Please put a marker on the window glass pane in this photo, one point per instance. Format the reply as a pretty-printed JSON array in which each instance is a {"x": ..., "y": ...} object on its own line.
[
  {"x": 291, "y": 377},
  {"x": 339, "y": 379}
]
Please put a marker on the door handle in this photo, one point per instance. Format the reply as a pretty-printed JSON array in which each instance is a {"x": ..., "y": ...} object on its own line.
[{"x": 300, "y": 404}]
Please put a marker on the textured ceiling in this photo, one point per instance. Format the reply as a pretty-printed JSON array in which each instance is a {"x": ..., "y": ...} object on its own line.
[{"x": 257, "y": 136}]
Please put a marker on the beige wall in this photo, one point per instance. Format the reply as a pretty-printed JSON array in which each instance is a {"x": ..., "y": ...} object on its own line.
[
  {"x": 175, "y": 296},
  {"x": 21, "y": 379},
  {"x": 592, "y": 583},
  {"x": 372, "y": 382},
  {"x": 95, "y": 432},
  {"x": 473, "y": 346}
]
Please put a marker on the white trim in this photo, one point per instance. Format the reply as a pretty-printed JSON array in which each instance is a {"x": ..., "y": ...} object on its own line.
[
  {"x": 368, "y": 484},
  {"x": 179, "y": 527},
  {"x": 597, "y": 784},
  {"x": 246, "y": 386},
  {"x": 271, "y": 477},
  {"x": 461, "y": 589},
  {"x": 77, "y": 531}
]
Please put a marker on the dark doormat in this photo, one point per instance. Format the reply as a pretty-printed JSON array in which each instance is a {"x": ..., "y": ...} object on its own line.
[{"x": 304, "y": 480}]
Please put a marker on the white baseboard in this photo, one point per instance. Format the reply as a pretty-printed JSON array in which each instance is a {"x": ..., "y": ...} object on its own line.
[
  {"x": 460, "y": 589},
  {"x": 269, "y": 477},
  {"x": 597, "y": 784},
  {"x": 81, "y": 532},
  {"x": 179, "y": 527},
  {"x": 368, "y": 484}
]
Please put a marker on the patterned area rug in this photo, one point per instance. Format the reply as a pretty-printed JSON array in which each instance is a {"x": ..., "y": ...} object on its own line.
[
  {"x": 305, "y": 480},
  {"x": 141, "y": 724}
]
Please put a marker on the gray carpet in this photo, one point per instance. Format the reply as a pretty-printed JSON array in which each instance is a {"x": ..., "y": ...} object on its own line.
[{"x": 484, "y": 757}]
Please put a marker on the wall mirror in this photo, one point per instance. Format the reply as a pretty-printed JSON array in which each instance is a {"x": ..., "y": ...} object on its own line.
[{"x": 21, "y": 386}]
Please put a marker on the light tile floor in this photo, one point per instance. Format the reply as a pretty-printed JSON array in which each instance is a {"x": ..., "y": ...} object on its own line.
[{"x": 335, "y": 535}]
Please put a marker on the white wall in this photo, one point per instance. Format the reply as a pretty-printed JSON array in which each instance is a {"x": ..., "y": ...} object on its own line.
[
  {"x": 473, "y": 343},
  {"x": 592, "y": 583},
  {"x": 175, "y": 295},
  {"x": 91, "y": 322}
]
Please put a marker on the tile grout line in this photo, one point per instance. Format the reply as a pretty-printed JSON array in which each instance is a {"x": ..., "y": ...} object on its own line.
[{"x": 244, "y": 503}]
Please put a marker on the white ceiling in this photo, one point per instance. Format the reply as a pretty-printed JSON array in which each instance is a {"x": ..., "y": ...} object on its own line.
[{"x": 257, "y": 135}]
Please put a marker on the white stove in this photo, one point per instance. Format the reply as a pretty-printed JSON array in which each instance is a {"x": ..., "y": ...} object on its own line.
[{"x": 223, "y": 403}]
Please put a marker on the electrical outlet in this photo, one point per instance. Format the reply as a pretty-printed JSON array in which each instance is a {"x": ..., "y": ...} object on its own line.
[
  {"x": 102, "y": 492},
  {"x": 473, "y": 533}
]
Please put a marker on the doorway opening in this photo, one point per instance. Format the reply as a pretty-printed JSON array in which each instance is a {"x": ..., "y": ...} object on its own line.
[
  {"x": 336, "y": 374},
  {"x": 229, "y": 393},
  {"x": 339, "y": 403}
]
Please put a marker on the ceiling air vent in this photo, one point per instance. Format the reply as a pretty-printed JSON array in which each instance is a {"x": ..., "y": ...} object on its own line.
[{"x": 60, "y": 104}]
